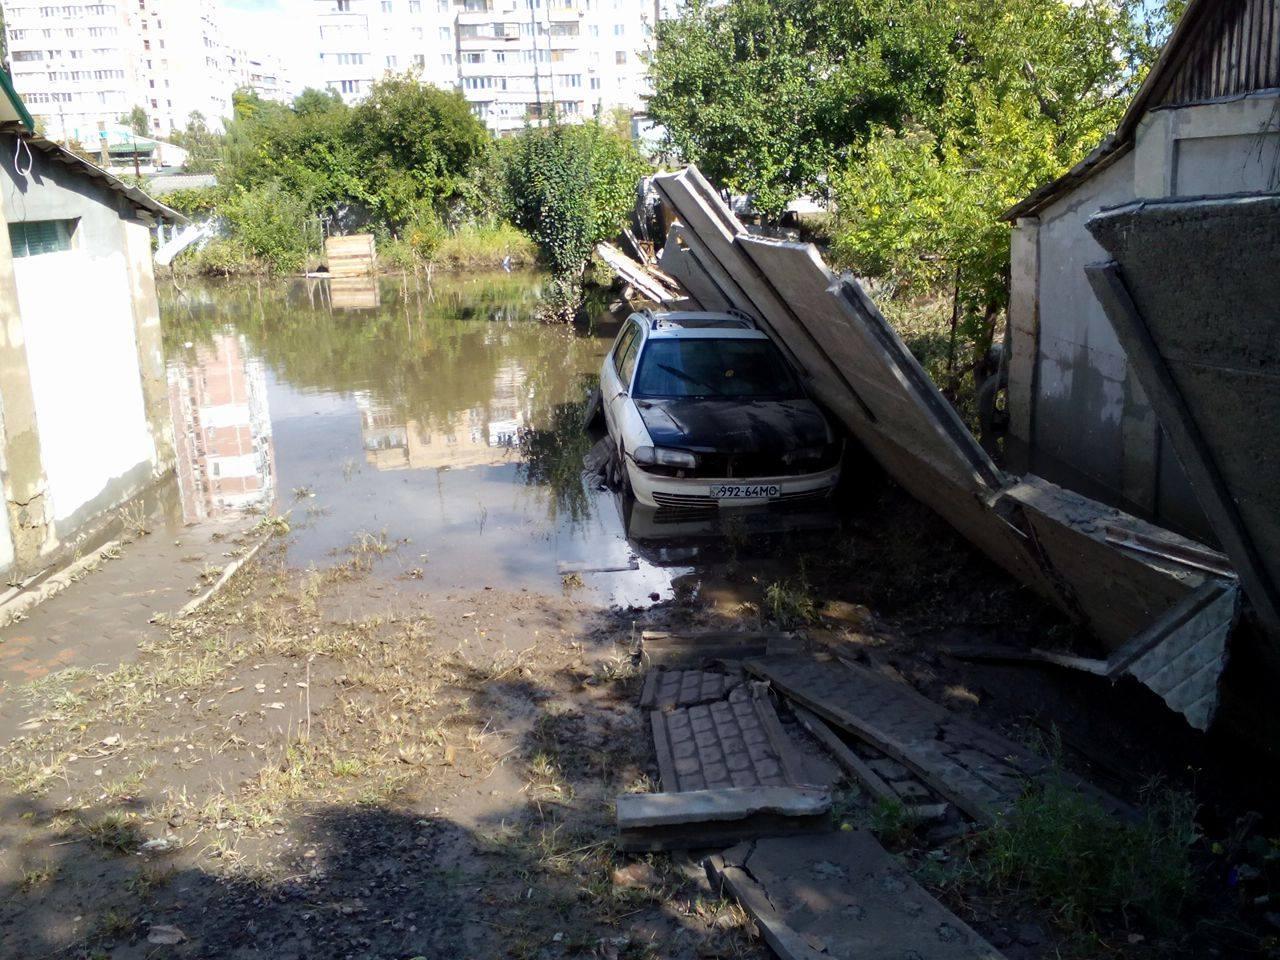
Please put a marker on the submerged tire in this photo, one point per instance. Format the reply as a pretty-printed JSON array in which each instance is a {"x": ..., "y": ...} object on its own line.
[{"x": 593, "y": 416}]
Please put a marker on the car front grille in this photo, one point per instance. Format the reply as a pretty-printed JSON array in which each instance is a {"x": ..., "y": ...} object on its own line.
[{"x": 685, "y": 500}]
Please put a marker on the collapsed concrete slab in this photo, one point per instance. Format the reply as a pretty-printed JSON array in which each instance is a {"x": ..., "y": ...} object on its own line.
[
  {"x": 1055, "y": 542},
  {"x": 841, "y": 897},
  {"x": 1192, "y": 294},
  {"x": 710, "y": 818}
]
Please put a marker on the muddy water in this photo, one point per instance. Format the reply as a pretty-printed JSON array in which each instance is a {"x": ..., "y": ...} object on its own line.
[{"x": 444, "y": 419}]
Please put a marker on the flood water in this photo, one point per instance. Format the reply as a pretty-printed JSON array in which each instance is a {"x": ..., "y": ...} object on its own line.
[{"x": 444, "y": 418}]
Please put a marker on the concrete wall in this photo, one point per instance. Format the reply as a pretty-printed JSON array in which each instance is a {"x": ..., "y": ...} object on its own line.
[
  {"x": 1078, "y": 415},
  {"x": 81, "y": 357}
]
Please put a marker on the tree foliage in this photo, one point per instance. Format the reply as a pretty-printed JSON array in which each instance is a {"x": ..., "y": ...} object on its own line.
[
  {"x": 569, "y": 187},
  {"x": 136, "y": 121},
  {"x": 407, "y": 144},
  {"x": 925, "y": 121}
]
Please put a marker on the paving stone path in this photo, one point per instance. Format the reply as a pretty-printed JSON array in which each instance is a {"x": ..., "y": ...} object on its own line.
[
  {"x": 734, "y": 742},
  {"x": 666, "y": 689}
]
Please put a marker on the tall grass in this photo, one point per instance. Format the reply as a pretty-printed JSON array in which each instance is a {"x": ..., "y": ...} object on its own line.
[{"x": 1083, "y": 862}]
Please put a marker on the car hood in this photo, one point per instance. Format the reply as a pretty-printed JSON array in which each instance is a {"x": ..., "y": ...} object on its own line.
[{"x": 735, "y": 426}]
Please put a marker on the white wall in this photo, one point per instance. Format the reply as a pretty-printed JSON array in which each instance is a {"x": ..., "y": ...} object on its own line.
[
  {"x": 1091, "y": 427},
  {"x": 83, "y": 357}
]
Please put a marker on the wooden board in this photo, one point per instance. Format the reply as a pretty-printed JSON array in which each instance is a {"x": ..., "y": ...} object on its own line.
[{"x": 351, "y": 256}]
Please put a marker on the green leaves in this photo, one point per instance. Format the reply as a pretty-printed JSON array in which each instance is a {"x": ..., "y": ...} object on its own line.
[{"x": 570, "y": 187}]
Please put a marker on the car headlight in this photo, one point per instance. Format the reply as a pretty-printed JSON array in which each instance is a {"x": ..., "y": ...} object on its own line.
[
  {"x": 664, "y": 457},
  {"x": 803, "y": 454}
]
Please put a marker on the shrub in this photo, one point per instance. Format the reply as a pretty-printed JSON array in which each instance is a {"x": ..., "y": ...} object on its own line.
[
  {"x": 1080, "y": 860},
  {"x": 570, "y": 187},
  {"x": 271, "y": 223}
]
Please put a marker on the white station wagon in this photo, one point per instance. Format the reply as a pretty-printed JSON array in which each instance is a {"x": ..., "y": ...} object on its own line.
[{"x": 705, "y": 411}]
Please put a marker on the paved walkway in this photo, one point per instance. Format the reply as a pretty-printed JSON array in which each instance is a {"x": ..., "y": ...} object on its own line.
[{"x": 98, "y": 621}]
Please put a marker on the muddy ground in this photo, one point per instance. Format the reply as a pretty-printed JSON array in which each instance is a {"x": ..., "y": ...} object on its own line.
[{"x": 324, "y": 764}]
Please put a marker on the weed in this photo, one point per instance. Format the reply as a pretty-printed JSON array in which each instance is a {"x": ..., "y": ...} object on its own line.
[
  {"x": 572, "y": 581},
  {"x": 790, "y": 602},
  {"x": 891, "y": 823},
  {"x": 1082, "y": 861},
  {"x": 32, "y": 877},
  {"x": 114, "y": 832}
]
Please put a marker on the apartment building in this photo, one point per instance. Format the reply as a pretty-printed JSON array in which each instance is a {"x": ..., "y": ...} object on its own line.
[
  {"x": 81, "y": 66},
  {"x": 514, "y": 60},
  {"x": 360, "y": 41}
]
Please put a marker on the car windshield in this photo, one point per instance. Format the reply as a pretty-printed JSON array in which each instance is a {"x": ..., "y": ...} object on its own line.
[{"x": 699, "y": 367}]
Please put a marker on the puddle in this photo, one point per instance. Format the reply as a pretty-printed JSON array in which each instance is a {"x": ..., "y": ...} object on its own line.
[{"x": 445, "y": 418}]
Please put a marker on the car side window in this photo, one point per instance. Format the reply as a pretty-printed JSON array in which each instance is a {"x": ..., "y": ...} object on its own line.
[
  {"x": 625, "y": 352},
  {"x": 629, "y": 362}
]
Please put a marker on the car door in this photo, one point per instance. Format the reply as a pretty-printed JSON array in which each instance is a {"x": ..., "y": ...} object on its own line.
[{"x": 616, "y": 378}]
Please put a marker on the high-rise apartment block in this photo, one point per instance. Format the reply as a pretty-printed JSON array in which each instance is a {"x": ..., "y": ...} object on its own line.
[
  {"x": 514, "y": 60},
  {"x": 80, "y": 67}
]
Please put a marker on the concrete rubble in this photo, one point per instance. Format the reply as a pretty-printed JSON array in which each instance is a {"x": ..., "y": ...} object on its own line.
[
  {"x": 841, "y": 896},
  {"x": 1112, "y": 572}
]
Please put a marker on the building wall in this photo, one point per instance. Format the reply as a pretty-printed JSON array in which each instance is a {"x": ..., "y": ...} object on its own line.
[
  {"x": 81, "y": 65},
  {"x": 1078, "y": 415},
  {"x": 85, "y": 349},
  {"x": 514, "y": 60}
]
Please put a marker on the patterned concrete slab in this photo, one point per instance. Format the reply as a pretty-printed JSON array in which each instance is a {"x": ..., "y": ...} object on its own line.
[
  {"x": 981, "y": 772},
  {"x": 668, "y": 689},
  {"x": 842, "y": 896},
  {"x": 735, "y": 742}
]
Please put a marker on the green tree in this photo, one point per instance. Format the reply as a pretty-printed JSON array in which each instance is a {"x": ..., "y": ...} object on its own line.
[
  {"x": 203, "y": 146},
  {"x": 569, "y": 187},
  {"x": 416, "y": 142},
  {"x": 136, "y": 120},
  {"x": 1028, "y": 92}
]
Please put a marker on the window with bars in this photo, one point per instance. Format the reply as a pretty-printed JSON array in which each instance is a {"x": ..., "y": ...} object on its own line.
[{"x": 34, "y": 237}]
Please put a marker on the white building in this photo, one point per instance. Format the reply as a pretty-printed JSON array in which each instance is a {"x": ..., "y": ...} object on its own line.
[
  {"x": 81, "y": 66},
  {"x": 514, "y": 60}
]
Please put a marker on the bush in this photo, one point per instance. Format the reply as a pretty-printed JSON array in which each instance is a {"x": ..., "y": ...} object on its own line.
[
  {"x": 194, "y": 202},
  {"x": 220, "y": 257},
  {"x": 1081, "y": 861},
  {"x": 271, "y": 223},
  {"x": 570, "y": 187}
]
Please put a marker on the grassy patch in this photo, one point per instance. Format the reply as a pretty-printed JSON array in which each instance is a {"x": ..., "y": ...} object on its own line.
[
  {"x": 1083, "y": 862},
  {"x": 790, "y": 602}
]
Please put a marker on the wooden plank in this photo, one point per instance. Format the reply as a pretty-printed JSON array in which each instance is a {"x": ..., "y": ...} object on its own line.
[{"x": 782, "y": 745}]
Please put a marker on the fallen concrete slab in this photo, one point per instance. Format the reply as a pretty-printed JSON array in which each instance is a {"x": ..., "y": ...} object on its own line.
[
  {"x": 841, "y": 897},
  {"x": 699, "y": 819},
  {"x": 697, "y": 648},
  {"x": 684, "y": 258},
  {"x": 1192, "y": 296},
  {"x": 977, "y": 769}
]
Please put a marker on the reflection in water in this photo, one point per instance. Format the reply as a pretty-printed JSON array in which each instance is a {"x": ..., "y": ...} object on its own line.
[
  {"x": 354, "y": 293},
  {"x": 447, "y": 416},
  {"x": 222, "y": 430}
]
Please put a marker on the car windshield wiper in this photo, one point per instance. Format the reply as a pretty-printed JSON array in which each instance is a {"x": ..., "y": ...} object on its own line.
[{"x": 688, "y": 379}]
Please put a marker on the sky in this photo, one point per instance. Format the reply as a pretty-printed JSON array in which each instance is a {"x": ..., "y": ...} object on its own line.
[{"x": 278, "y": 26}]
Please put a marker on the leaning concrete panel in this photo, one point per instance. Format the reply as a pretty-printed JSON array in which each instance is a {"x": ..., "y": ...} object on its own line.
[
  {"x": 1117, "y": 592},
  {"x": 851, "y": 331},
  {"x": 1192, "y": 297},
  {"x": 679, "y": 261},
  {"x": 707, "y": 220}
]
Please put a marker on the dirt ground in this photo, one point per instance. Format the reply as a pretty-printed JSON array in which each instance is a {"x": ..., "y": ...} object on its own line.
[{"x": 323, "y": 765}]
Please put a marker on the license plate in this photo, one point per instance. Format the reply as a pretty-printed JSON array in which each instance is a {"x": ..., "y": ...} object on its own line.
[{"x": 746, "y": 491}]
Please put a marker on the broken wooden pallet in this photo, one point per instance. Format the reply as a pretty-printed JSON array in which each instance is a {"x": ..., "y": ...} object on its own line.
[
  {"x": 697, "y": 819},
  {"x": 978, "y": 770},
  {"x": 841, "y": 897}
]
